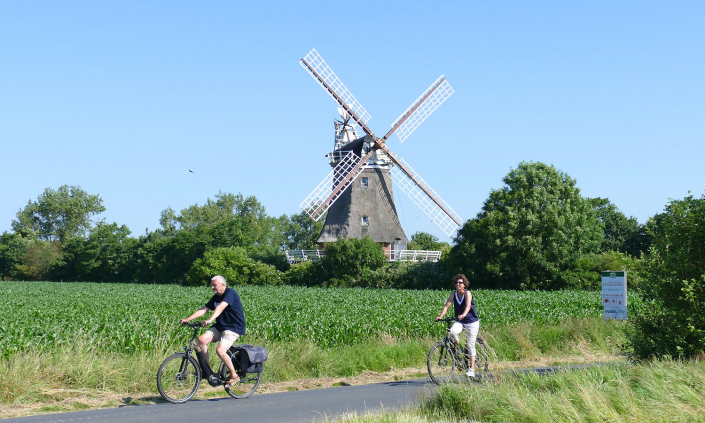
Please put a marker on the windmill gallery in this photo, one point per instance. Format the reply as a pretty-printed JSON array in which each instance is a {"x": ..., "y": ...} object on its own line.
[{"x": 356, "y": 197}]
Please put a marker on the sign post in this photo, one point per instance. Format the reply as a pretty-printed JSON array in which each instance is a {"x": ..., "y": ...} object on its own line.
[{"x": 614, "y": 294}]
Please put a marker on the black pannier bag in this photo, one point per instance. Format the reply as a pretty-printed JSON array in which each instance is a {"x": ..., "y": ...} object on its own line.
[{"x": 251, "y": 357}]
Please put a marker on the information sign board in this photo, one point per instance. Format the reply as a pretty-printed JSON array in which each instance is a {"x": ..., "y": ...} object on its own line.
[{"x": 614, "y": 294}]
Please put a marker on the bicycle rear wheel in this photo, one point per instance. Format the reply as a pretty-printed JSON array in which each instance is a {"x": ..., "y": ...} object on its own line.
[
  {"x": 245, "y": 387},
  {"x": 178, "y": 378},
  {"x": 482, "y": 358},
  {"x": 441, "y": 364}
]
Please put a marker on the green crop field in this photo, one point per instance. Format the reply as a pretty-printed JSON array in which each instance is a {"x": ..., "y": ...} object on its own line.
[{"x": 128, "y": 317}]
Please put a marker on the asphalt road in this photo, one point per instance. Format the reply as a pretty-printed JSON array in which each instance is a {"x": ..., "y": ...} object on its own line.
[{"x": 300, "y": 406}]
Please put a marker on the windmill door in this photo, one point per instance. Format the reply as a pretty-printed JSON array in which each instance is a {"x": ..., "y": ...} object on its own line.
[{"x": 397, "y": 246}]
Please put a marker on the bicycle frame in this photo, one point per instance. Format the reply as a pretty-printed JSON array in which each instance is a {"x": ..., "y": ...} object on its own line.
[
  {"x": 187, "y": 348},
  {"x": 458, "y": 351}
]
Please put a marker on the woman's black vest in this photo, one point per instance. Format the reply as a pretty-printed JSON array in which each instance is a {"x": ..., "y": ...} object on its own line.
[{"x": 459, "y": 308}]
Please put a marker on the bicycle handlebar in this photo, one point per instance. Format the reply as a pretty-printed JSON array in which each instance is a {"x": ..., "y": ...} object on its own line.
[{"x": 193, "y": 325}]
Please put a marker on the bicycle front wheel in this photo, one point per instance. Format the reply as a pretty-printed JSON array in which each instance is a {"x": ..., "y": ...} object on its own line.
[
  {"x": 441, "y": 364},
  {"x": 178, "y": 378},
  {"x": 245, "y": 387}
]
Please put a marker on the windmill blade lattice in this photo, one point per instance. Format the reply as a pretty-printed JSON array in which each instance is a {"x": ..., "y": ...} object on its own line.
[
  {"x": 442, "y": 91},
  {"x": 315, "y": 204},
  {"x": 326, "y": 73},
  {"x": 444, "y": 221}
]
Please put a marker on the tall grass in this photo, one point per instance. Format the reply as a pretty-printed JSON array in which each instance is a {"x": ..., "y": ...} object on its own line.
[
  {"x": 665, "y": 391},
  {"x": 576, "y": 336},
  {"x": 405, "y": 416}
]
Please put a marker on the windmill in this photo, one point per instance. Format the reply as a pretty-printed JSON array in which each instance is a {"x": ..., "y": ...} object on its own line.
[{"x": 355, "y": 209}]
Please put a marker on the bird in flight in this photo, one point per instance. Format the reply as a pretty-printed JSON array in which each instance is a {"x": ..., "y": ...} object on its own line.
[{"x": 190, "y": 170}]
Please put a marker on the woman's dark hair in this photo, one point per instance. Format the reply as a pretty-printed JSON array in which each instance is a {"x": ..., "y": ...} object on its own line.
[{"x": 466, "y": 282}]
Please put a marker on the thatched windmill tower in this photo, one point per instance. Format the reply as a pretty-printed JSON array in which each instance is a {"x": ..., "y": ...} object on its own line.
[
  {"x": 366, "y": 208},
  {"x": 357, "y": 195}
]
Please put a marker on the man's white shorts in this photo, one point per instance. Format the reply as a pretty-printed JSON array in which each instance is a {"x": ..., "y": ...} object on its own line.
[{"x": 227, "y": 337}]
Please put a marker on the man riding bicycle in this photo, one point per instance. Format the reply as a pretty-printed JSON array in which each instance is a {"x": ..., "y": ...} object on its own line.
[{"x": 229, "y": 319}]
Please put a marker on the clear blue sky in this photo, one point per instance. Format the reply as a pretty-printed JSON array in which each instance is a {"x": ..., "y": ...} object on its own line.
[{"x": 123, "y": 98}]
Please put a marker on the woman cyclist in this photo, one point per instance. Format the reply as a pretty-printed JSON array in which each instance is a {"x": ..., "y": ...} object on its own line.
[{"x": 465, "y": 316}]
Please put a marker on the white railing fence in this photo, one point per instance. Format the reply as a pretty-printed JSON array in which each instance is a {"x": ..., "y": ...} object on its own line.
[{"x": 297, "y": 256}]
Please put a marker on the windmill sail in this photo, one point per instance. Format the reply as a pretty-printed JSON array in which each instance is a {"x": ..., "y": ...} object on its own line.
[
  {"x": 425, "y": 197},
  {"x": 422, "y": 108},
  {"x": 332, "y": 186},
  {"x": 326, "y": 78}
]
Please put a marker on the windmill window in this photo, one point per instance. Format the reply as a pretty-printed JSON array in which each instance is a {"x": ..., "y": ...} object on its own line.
[
  {"x": 365, "y": 182},
  {"x": 364, "y": 220}
]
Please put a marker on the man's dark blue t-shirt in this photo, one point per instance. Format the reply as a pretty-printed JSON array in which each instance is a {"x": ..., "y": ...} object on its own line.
[{"x": 233, "y": 317}]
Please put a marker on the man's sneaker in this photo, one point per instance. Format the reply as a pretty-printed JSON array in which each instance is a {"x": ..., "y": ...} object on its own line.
[{"x": 470, "y": 373}]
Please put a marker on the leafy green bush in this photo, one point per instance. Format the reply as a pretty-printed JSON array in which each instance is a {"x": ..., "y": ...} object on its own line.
[
  {"x": 429, "y": 275},
  {"x": 391, "y": 275},
  {"x": 235, "y": 266},
  {"x": 585, "y": 272},
  {"x": 268, "y": 254},
  {"x": 673, "y": 289},
  {"x": 307, "y": 273},
  {"x": 348, "y": 257}
]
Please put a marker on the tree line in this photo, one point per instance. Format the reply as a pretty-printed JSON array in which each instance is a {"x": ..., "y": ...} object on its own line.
[
  {"x": 56, "y": 238},
  {"x": 535, "y": 232}
]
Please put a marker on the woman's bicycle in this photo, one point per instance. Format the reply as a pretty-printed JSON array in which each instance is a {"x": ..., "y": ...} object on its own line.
[
  {"x": 446, "y": 357},
  {"x": 180, "y": 374}
]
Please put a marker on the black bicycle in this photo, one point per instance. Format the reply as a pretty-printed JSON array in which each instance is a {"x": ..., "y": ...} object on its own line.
[
  {"x": 180, "y": 374},
  {"x": 447, "y": 356}
]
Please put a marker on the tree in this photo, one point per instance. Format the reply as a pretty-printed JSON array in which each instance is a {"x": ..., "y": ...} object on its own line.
[
  {"x": 673, "y": 323},
  {"x": 38, "y": 260},
  {"x": 426, "y": 241},
  {"x": 60, "y": 214},
  {"x": 106, "y": 255},
  {"x": 638, "y": 242},
  {"x": 528, "y": 232},
  {"x": 301, "y": 232},
  {"x": 229, "y": 221},
  {"x": 13, "y": 248},
  {"x": 617, "y": 228},
  {"x": 152, "y": 263}
]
